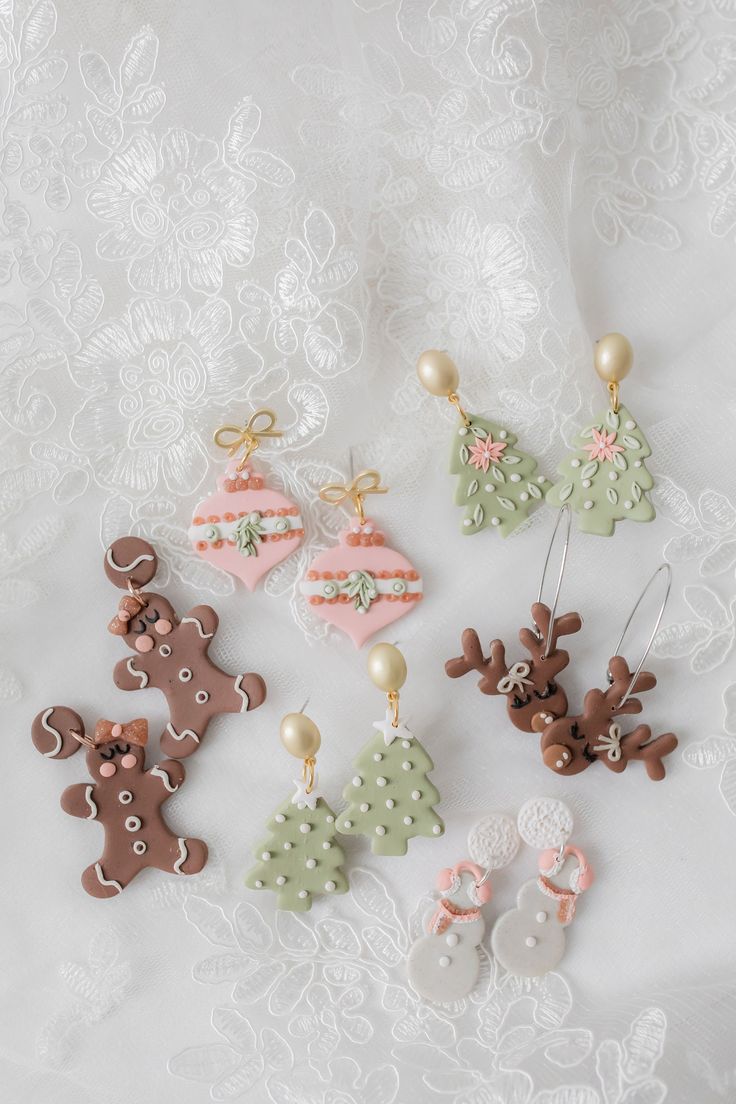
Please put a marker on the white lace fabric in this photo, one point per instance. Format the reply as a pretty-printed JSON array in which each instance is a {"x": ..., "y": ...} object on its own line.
[{"x": 208, "y": 208}]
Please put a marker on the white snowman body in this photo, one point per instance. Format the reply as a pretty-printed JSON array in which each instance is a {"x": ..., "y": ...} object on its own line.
[
  {"x": 444, "y": 966},
  {"x": 529, "y": 940}
]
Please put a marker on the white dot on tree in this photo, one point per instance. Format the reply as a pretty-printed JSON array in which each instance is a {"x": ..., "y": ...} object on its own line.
[
  {"x": 364, "y": 807},
  {"x": 280, "y": 818},
  {"x": 575, "y": 463},
  {"x": 495, "y": 521},
  {"x": 310, "y": 864},
  {"x": 523, "y": 496},
  {"x": 406, "y": 743},
  {"x": 305, "y": 828},
  {"x": 258, "y": 884},
  {"x": 628, "y": 505},
  {"x": 377, "y": 757},
  {"x": 281, "y": 880},
  {"x": 515, "y": 477},
  {"x": 489, "y": 487},
  {"x": 347, "y": 824},
  {"x": 436, "y": 829},
  {"x": 380, "y": 781},
  {"x": 287, "y": 846},
  {"x": 588, "y": 505},
  {"x": 406, "y": 765},
  {"x": 303, "y": 893},
  {"x": 329, "y": 886},
  {"x": 416, "y": 794},
  {"x": 357, "y": 781},
  {"x": 327, "y": 845},
  {"x": 380, "y": 830},
  {"x": 266, "y": 856},
  {"x": 408, "y": 820},
  {"x": 390, "y": 803},
  {"x": 613, "y": 476},
  {"x": 467, "y": 521},
  {"x": 586, "y": 483}
]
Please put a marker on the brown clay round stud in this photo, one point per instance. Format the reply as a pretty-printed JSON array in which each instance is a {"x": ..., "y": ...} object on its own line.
[
  {"x": 130, "y": 558},
  {"x": 51, "y": 732},
  {"x": 557, "y": 757},
  {"x": 541, "y": 720}
]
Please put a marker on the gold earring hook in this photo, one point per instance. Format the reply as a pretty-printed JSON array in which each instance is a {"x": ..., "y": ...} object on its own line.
[
  {"x": 365, "y": 483},
  {"x": 308, "y": 772},
  {"x": 247, "y": 437}
]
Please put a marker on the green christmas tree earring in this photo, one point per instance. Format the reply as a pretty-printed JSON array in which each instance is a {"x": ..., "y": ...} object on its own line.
[
  {"x": 497, "y": 483},
  {"x": 300, "y": 859},
  {"x": 605, "y": 480},
  {"x": 390, "y": 798}
]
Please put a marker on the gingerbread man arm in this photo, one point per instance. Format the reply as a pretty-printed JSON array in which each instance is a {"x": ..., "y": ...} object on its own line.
[
  {"x": 130, "y": 673},
  {"x": 168, "y": 773},
  {"x": 201, "y": 620},
  {"x": 79, "y": 800}
]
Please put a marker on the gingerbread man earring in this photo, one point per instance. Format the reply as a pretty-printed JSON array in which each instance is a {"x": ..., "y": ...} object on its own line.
[
  {"x": 529, "y": 685},
  {"x": 123, "y": 796},
  {"x": 245, "y": 527},
  {"x": 169, "y": 654}
]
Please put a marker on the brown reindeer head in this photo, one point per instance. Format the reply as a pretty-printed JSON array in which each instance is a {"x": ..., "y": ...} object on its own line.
[
  {"x": 529, "y": 685},
  {"x": 570, "y": 744}
]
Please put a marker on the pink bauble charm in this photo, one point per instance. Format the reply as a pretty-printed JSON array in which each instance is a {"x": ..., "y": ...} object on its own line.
[
  {"x": 361, "y": 585},
  {"x": 245, "y": 528}
]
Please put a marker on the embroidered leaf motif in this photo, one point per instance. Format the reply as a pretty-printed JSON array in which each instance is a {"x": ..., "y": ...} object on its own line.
[
  {"x": 472, "y": 487},
  {"x": 589, "y": 470},
  {"x": 589, "y": 431},
  {"x": 506, "y": 503},
  {"x": 564, "y": 492},
  {"x": 612, "y": 495},
  {"x": 361, "y": 587},
  {"x": 636, "y": 491},
  {"x": 534, "y": 490},
  {"x": 248, "y": 534},
  {"x": 613, "y": 419},
  {"x": 497, "y": 474},
  {"x": 631, "y": 442},
  {"x": 511, "y": 459},
  {"x": 464, "y": 454},
  {"x": 479, "y": 432},
  {"x": 620, "y": 461},
  {"x": 478, "y": 515}
]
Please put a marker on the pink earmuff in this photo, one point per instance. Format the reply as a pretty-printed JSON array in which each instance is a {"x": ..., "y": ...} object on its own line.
[
  {"x": 449, "y": 880},
  {"x": 550, "y": 863}
]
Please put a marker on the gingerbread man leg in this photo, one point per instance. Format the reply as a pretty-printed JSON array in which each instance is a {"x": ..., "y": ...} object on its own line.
[
  {"x": 102, "y": 880},
  {"x": 178, "y": 854}
]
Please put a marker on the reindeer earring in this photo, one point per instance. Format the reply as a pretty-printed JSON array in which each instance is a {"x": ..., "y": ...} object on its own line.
[
  {"x": 390, "y": 799},
  {"x": 605, "y": 480},
  {"x": 497, "y": 485},
  {"x": 570, "y": 744},
  {"x": 361, "y": 585},
  {"x": 530, "y": 686},
  {"x": 529, "y": 940},
  {"x": 246, "y": 528},
  {"x": 300, "y": 859}
]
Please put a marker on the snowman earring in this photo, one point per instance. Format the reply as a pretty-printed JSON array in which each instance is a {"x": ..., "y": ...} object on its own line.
[
  {"x": 605, "y": 480},
  {"x": 301, "y": 858},
  {"x": 570, "y": 744},
  {"x": 390, "y": 799},
  {"x": 246, "y": 528},
  {"x": 444, "y": 964},
  {"x": 529, "y": 940},
  {"x": 361, "y": 585},
  {"x": 530, "y": 686},
  {"x": 497, "y": 485}
]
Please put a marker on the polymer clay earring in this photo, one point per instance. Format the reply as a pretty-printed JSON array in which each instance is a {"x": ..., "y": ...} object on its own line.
[
  {"x": 300, "y": 859},
  {"x": 390, "y": 798},
  {"x": 246, "y": 527},
  {"x": 529, "y": 940},
  {"x": 529, "y": 685},
  {"x": 497, "y": 484},
  {"x": 124, "y": 797},
  {"x": 570, "y": 744},
  {"x": 605, "y": 479},
  {"x": 171, "y": 654},
  {"x": 361, "y": 585}
]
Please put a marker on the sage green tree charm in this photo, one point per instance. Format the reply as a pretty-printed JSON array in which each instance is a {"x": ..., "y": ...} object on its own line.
[
  {"x": 390, "y": 798},
  {"x": 497, "y": 483},
  {"x": 606, "y": 479},
  {"x": 300, "y": 859}
]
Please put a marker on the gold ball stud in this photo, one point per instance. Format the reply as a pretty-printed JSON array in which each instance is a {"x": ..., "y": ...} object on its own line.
[
  {"x": 437, "y": 372},
  {"x": 386, "y": 667},
  {"x": 300, "y": 735},
  {"x": 613, "y": 357}
]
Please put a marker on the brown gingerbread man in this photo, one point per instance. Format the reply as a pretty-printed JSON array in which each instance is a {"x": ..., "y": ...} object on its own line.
[
  {"x": 171, "y": 654},
  {"x": 124, "y": 797}
]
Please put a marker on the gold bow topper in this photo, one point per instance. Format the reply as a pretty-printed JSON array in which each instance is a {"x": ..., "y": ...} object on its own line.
[
  {"x": 365, "y": 482},
  {"x": 247, "y": 437}
]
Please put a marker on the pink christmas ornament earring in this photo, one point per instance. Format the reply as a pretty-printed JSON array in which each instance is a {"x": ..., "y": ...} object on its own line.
[
  {"x": 361, "y": 585},
  {"x": 245, "y": 527}
]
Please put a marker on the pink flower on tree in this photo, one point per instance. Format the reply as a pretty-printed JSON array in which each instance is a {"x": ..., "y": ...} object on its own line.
[
  {"x": 484, "y": 451},
  {"x": 602, "y": 446}
]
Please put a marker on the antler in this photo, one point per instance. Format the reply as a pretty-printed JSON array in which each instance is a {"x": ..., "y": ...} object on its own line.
[
  {"x": 491, "y": 670},
  {"x": 619, "y": 751},
  {"x": 621, "y": 676},
  {"x": 536, "y": 642}
]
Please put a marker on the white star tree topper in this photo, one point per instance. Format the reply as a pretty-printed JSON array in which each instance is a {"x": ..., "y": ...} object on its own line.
[
  {"x": 302, "y": 799},
  {"x": 390, "y": 731}
]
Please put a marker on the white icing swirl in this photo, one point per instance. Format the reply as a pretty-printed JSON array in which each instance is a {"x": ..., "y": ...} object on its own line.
[
  {"x": 54, "y": 751},
  {"x": 200, "y": 627},
  {"x": 159, "y": 772},
  {"x": 92, "y": 807},
  {"x": 106, "y": 881},
  {"x": 143, "y": 558},
  {"x": 183, "y": 855},
  {"x": 136, "y": 673}
]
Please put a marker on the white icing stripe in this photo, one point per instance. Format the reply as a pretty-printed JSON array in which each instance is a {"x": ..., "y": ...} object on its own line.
[
  {"x": 200, "y": 629},
  {"x": 54, "y": 732},
  {"x": 106, "y": 881},
  {"x": 383, "y": 586},
  {"x": 183, "y": 855},
  {"x": 136, "y": 673},
  {"x": 159, "y": 772},
  {"x": 226, "y": 529},
  {"x": 181, "y": 735},
  {"x": 239, "y": 690},
  {"x": 127, "y": 567},
  {"x": 92, "y": 807}
]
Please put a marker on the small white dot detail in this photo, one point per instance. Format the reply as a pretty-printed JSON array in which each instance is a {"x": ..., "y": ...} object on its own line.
[
  {"x": 380, "y": 830},
  {"x": 287, "y": 846},
  {"x": 523, "y": 496},
  {"x": 281, "y": 880},
  {"x": 452, "y": 940},
  {"x": 303, "y": 893},
  {"x": 305, "y": 828},
  {"x": 377, "y": 757},
  {"x": 327, "y": 845},
  {"x": 444, "y": 960},
  {"x": 266, "y": 856},
  {"x": 575, "y": 463},
  {"x": 408, "y": 820},
  {"x": 613, "y": 476},
  {"x": 467, "y": 521},
  {"x": 329, "y": 886},
  {"x": 258, "y": 884},
  {"x": 416, "y": 794},
  {"x": 628, "y": 504},
  {"x": 436, "y": 831},
  {"x": 541, "y": 917},
  {"x": 406, "y": 743},
  {"x": 489, "y": 487},
  {"x": 390, "y": 803},
  {"x": 531, "y": 941},
  {"x": 495, "y": 521},
  {"x": 406, "y": 765},
  {"x": 330, "y": 818},
  {"x": 380, "y": 781},
  {"x": 586, "y": 483},
  {"x": 310, "y": 864},
  {"x": 364, "y": 807},
  {"x": 357, "y": 781},
  {"x": 515, "y": 477},
  {"x": 280, "y": 818},
  {"x": 631, "y": 424},
  {"x": 588, "y": 505},
  {"x": 503, "y": 435},
  {"x": 348, "y": 824}
]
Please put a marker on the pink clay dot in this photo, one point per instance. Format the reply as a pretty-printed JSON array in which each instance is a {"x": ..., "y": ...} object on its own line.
[
  {"x": 144, "y": 644},
  {"x": 128, "y": 760},
  {"x": 116, "y": 731},
  {"x": 107, "y": 770},
  {"x": 163, "y": 626},
  {"x": 123, "y": 615}
]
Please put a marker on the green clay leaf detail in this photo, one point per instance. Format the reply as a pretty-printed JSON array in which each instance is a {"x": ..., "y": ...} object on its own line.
[
  {"x": 498, "y": 474},
  {"x": 631, "y": 442},
  {"x": 620, "y": 461},
  {"x": 636, "y": 491},
  {"x": 472, "y": 487},
  {"x": 248, "y": 534},
  {"x": 479, "y": 432},
  {"x": 464, "y": 454},
  {"x": 613, "y": 419},
  {"x": 506, "y": 503},
  {"x": 564, "y": 492},
  {"x": 611, "y": 495},
  {"x": 588, "y": 432},
  {"x": 534, "y": 490},
  {"x": 478, "y": 515},
  {"x": 589, "y": 470},
  {"x": 361, "y": 586},
  {"x": 511, "y": 459}
]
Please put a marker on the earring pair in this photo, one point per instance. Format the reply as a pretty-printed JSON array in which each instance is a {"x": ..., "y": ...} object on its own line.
[
  {"x": 526, "y": 941},
  {"x": 536, "y": 702}
]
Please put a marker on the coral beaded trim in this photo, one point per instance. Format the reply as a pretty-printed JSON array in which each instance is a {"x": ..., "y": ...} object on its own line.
[
  {"x": 566, "y": 899},
  {"x": 446, "y": 913},
  {"x": 361, "y": 587},
  {"x": 217, "y": 531}
]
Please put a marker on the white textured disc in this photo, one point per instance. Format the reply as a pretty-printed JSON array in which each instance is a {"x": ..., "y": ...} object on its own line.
[
  {"x": 544, "y": 822},
  {"x": 493, "y": 841}
]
